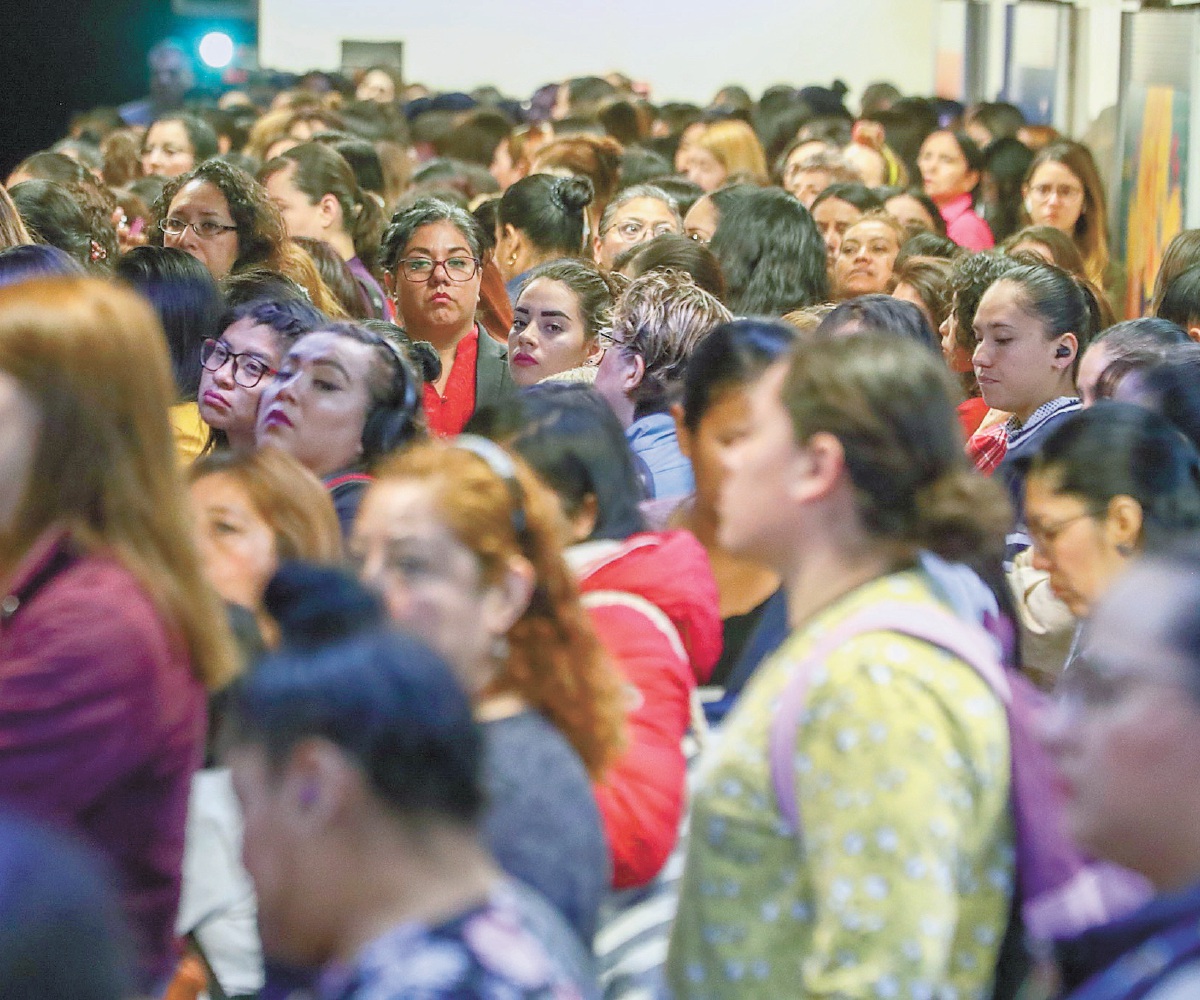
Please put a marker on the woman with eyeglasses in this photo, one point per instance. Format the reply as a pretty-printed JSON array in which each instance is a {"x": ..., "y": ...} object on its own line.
[
  {"x": 1125, "y": 736},
  {"x": 236, "y": 366},
  {"x": 223, "y": 217},
  {"x": 342, "y": 399},
  {"x": 432, "y": 255},
  {"x": 1063, "y": 189},
  {"x": 464, "y": 545},
  {"x": 1111, "y": 482}
]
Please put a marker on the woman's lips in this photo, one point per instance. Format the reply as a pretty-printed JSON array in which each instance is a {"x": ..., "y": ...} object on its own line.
[
  {"x": 277, "y": 418},
  {"x": 215, "y": 400},
  {"x": 523, "y": 360}
]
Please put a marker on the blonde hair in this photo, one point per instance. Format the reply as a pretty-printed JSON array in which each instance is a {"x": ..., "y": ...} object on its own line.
[
  {"x": 297, "y": 264},
  {"x": 12, "y": 229},
  {"x": 662, "y": 316},
  {"x": 554, "y": 661},
  {"x": 293, "y": 501},
  {"x": 737, "y": 149},
  {"x": 93, "y": 359}
]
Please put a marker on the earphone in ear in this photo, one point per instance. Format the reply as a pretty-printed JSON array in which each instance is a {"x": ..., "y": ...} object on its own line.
[{"x": 1063, "y": 352}]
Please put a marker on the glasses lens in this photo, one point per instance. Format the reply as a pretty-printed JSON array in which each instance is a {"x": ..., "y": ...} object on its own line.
[
  {"x": 460, "y": 268},
  {"x": 417, "y": 268},
  {"x": 249, "y": 372},
  {"x": 213, "y": 354}
]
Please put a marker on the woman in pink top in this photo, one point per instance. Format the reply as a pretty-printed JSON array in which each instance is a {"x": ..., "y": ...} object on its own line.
[{"x": 950, "y": 165}]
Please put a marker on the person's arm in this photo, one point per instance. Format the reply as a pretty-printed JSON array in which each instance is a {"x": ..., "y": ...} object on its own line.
[
  {"x": 641, "y": 796},
  {"x": 73, "y": 664}
]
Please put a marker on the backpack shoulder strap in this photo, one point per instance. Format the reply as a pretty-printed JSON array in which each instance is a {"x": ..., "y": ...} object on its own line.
[
  {"x": 938, "y": 628},
  {"x": 346, "y": 479}
]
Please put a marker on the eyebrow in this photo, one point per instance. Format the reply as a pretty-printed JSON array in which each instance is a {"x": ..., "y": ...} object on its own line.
[
  {"x": 454, "y": 251},
  {"x": 332, "y": 363},
  {"x": 554, "y": 312}
]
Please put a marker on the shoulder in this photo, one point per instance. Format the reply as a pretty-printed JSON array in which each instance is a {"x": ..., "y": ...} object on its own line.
[{"x": 91, "y": 598}]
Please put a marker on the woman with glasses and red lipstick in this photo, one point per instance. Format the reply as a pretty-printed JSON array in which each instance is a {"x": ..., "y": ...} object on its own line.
[
  {"x": 237, "y": 365},
  {"x": 432, "y": 256}
]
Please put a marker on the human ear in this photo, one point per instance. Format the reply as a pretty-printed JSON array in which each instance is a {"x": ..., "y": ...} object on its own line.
[
  {"x": 1064, "y": 354},
  {"x": 506, "y": 599},
  {"x": 1123, "y": 524},
  {"x": 318, "y": 782},
  {"x": 330, "y": 210},
  {"x": 595, "y": 353},
  {"x": 820, "y": 467},
  {"x": 635, "y": 371},
  {"x": 1193, "y": 333},
  {"x": 682, "y": 434}
]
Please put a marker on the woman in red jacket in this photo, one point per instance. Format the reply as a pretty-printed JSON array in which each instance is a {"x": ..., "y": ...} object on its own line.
[
  {"x": 653, "y": 602},
  {"x": 108, "y": 633}
]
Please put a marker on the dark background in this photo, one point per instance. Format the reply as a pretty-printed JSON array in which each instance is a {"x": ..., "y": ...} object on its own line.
[{"x": 59, "y": 57}]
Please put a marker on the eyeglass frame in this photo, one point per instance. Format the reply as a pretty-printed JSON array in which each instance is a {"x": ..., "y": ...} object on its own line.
[
  {"x": 220, "y": 228},
  {"x": 643, "y": 229},
  {"x": 433, "y": 270},
  {"x": 1043, "y": 192},
  {"x": 1044, "y": 537},
  {"x": 235, "y": 357}
]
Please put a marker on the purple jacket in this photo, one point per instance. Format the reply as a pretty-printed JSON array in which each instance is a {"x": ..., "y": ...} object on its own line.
[{"x": 102, "y": 725}]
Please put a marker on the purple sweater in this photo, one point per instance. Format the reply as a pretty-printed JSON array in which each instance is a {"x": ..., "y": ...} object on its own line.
[{"x": 102, "y": 725}]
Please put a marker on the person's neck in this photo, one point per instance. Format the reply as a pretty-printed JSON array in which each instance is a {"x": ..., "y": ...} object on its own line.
[
  {"x": 241, "y": 442},
  {"x": 398, "y": 880},
  {"x": 828, "y": 569},
  {"x": 342, "y": 243},
  {"x": 1065, "y": 389},
  {"x": 742, "y": 584}
]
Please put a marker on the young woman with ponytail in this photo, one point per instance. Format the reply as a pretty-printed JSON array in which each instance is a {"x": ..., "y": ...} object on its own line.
[
  {"x": 1031, "y": 328},
  {"x": 315, "y": 190},
  {"x": 899, "y": 869}
]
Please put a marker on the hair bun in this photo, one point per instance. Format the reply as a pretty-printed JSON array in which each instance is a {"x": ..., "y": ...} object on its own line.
[
  {"x": 425, "y": 359},
  {"x": 318, "y": 605},
  {"x": 573, "y": 194}
]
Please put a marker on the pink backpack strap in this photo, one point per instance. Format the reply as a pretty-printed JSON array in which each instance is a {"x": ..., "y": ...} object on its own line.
[
  {"x": 348, "y": 477},
  {"x": 938, "y": 628}
]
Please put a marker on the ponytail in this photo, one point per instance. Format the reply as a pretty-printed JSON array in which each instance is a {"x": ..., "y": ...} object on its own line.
[{"x": 322, "y": 170}]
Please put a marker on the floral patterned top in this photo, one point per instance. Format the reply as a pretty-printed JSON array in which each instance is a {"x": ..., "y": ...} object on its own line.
[
  {"x": 500, "y": 950},
  {"x": 901, "y": 881}
]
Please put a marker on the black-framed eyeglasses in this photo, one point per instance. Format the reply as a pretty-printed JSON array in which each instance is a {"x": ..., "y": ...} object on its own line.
[
  {"x": 248, "y": 369},
  {"x": 421, "y": 269},
  {"x": 206, "y": 229}
]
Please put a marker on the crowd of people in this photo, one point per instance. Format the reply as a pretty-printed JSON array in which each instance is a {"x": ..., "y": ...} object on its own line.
[{"x": 459, "y": 546}]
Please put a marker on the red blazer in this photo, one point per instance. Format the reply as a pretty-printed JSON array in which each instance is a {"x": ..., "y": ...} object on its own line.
[{"x": 102, "y": 725}]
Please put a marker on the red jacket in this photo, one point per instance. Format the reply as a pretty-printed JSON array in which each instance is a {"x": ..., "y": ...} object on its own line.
[
  {"x": 102, "y": 725},
  {"x": 653, "y": 603}
]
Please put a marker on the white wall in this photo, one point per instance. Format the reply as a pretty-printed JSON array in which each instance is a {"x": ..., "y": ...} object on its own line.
[{"x": 686, "y": 49}]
